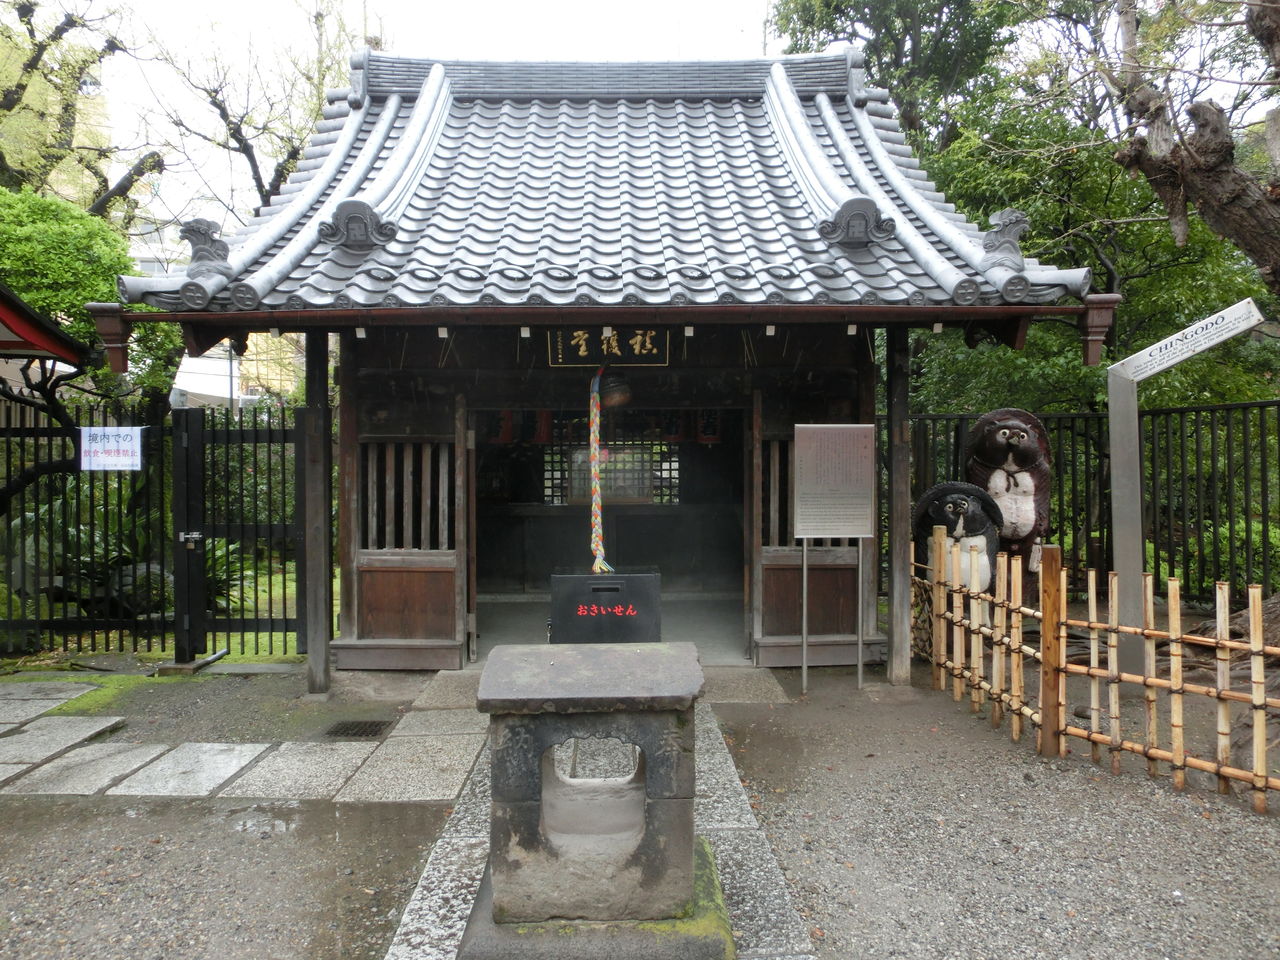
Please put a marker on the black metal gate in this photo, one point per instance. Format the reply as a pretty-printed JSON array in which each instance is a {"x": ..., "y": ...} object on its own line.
[{"x": 237, "y": 505}]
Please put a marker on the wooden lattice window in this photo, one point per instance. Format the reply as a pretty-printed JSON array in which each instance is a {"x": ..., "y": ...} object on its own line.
[{"x": 406, "y": 495}]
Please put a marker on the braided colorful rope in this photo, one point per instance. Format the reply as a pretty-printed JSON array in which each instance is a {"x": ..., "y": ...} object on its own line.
[{"x": 597, "y": 520}]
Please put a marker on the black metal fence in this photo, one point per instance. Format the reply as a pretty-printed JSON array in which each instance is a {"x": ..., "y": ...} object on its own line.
[
  {"x": 236, "y": 492},
  {"x": 1209, "y": 503},
  {"x": 85, "y": 563},
  {"x": 194, "y": 552}
]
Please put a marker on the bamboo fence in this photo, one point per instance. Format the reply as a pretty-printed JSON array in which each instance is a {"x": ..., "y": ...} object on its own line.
[{"x": 1017, "y": 660}]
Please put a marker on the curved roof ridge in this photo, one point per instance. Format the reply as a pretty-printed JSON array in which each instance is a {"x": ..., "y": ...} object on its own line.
[
  {"x": 248, "y": 292},
  {"x": 197, "y": 293},
  {"x": 382, "y": 73},
  {"x": 964, "y": 290},
  {"x": 830, "y": 196}
]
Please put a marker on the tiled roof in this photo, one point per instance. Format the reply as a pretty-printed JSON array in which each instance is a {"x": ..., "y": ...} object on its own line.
[{"x": 437, "y": 183}]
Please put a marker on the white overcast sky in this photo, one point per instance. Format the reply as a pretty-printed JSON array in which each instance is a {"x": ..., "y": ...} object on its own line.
[{"x": 235, "y": 30}]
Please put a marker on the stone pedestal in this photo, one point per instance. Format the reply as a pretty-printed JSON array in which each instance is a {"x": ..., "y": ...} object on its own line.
[{"x": 595, "y": 849}]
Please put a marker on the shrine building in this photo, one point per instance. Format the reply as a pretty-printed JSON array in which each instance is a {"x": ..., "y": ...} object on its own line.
[{"x": 731, "y": 237}]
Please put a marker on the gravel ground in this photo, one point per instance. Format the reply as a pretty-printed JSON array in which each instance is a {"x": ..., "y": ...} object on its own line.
[{"x": 908, "y": 828}]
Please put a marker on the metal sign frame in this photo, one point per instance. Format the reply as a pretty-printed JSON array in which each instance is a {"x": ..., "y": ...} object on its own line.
[{"x": 833, "y": 496}]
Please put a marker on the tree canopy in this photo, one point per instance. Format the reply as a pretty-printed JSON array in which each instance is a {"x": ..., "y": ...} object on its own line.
[{"x": 1048, "y": 126}]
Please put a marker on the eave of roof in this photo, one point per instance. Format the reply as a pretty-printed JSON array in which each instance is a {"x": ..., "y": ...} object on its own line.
[
  {"x": 448, "y": 184},
  {"x": 26, "y": 334}
]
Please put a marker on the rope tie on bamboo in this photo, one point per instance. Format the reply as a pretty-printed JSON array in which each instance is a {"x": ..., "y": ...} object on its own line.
[{"x": 597, "y": 519}]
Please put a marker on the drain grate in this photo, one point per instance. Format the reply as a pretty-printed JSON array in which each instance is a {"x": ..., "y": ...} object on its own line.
[{"x": 358, "y": 728}]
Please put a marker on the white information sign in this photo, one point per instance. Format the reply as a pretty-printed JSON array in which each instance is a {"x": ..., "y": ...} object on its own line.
[
  {"x": 110, "y": 448},
  {"x": 1186, "y": 343},
  {"x": 835, "y": 480}
]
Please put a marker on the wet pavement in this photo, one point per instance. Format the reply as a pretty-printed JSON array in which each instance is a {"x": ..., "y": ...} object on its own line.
[{"x": 125, "y": 841}]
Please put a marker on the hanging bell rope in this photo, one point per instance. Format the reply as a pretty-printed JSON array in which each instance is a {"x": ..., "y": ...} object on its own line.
[{"x": 597, "y": 518}]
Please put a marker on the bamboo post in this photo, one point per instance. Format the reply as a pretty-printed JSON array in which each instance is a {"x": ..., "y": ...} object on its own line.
[
  {"x": 937, "y": 575},
  {"x": 1149, "y": 669},
  {"x": 957, "y": 628},
  {"x": 999, "y": 640},
  {"x": 1052, "y": 649},
  {"x": 1095, "y": 692},
  {"x": 1175, "y": 686},
  {"x": 1222, "y": 658},
  {"x": 1017, "y": 694},
  {"x": 1113, "y": 666},
  {"x": 1259, "y": 678},
  {"x": 976, "y": 656}
]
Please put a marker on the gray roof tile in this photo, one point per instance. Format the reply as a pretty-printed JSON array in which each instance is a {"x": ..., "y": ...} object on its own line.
[{"x": 652, "y": 183}]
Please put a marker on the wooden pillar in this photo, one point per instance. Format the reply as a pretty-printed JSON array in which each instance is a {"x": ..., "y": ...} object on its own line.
[
  {"x": 898, "y": 362},
  {"x": 317, "y": 507},
  {"x": 348, "y": 487},
  {"x": 868, "y": 547}
]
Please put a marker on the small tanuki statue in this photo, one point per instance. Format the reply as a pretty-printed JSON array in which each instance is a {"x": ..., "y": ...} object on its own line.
[
  {"x": 1007, "y": 454},
  {"x": 971, "y": 518}
]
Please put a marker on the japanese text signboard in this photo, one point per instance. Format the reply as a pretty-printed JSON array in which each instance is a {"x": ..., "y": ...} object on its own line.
[
  {"x": 110, "y": 448},
  {"x": 835, "y": 481},
  {"x": 618, "y": 346}
]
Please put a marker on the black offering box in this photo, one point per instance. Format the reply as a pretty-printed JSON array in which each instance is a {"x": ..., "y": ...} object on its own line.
[{"x": 619, "y": 607}]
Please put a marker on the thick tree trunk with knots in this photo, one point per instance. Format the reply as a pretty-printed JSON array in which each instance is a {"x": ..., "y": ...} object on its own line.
[{"x": 1198, "y": 168}]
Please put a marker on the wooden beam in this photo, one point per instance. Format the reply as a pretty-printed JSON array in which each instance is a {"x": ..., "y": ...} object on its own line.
[{"x": 899, "y": 457}]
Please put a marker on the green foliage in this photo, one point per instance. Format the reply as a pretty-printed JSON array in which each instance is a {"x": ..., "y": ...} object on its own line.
[
  {"x": 926, "y": 54},
  {"x": 58, "y": 258},
  {"x": 1015, "y": 151}
]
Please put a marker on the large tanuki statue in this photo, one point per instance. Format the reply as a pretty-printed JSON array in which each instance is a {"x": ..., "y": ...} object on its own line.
[{"x": 1007, "y": 454}]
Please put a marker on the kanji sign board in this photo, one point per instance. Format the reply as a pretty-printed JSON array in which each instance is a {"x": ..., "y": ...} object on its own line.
[
  {"x": 110, "y": 448},
  {"x": 835, "y": 480}
]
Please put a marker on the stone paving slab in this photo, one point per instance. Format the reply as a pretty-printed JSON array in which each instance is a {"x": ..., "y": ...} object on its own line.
[
  {"x": 720, "y": 801},
  {"x": 44, "y": 690},
  {"x": 302, "y": 771},
  {"x": 470, "y": 817},
  {"x": 88, "y": 769},
  {"x": 450, "y": 689},
  {"x": 414, "y": 768},
  {"x": 742, "y": 685},
  {"x": 190, "y": 770},
  {"x": 432, "y": 924},
  {"x": 421, "y": 723},
  {"x": 764, "y": 923},
  {"x": 10, "y": 771},
  {"x": 46, "y": 737},
  {"x": 20, "y": 711}
]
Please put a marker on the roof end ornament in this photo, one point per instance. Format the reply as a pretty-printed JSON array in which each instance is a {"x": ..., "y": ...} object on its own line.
[
  {"x": 357, "y": 226},
  {"x": 1001, "y": 241},
  {"x": 857, "y": 223},
  {"x": 208, "y": 262}
]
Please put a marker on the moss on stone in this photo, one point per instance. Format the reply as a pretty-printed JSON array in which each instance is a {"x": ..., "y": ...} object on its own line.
[{"x": 706, "y": 918}]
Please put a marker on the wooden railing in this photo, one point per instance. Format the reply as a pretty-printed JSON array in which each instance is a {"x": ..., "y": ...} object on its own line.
[{"x": 1025, "y": 663}]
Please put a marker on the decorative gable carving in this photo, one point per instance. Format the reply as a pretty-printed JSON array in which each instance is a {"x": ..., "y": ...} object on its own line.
[
  {"x": 357, "y": 226},
  {"x": 857, "y": 223}
]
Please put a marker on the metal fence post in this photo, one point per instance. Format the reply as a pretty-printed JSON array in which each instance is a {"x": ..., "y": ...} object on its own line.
[{"x": 188, "y": 519}]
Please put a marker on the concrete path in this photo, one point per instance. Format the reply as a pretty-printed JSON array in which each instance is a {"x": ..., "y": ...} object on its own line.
[
  {"x": 426, "y": 757},
  {"x": 435, "y": 752}
]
